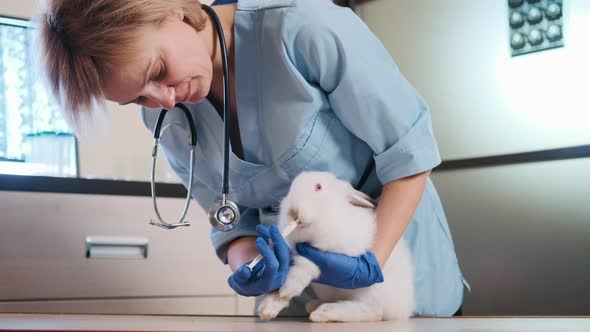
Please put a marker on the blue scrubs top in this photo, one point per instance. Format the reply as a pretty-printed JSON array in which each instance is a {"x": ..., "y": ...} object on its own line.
[{"x": 316, "y": 90}]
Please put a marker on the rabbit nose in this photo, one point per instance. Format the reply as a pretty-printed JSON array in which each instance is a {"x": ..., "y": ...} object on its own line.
[{"x": 294, "y": 215}]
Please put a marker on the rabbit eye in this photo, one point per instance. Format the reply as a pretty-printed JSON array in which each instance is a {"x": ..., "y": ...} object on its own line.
[{"x": 318, "y": 187}]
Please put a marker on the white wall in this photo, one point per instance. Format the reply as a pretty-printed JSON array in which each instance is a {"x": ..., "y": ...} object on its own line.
[
  {"x": 21, "y": 8},
  {"x": 118, "y": 146},
  {"x": 483, "y": 101}
]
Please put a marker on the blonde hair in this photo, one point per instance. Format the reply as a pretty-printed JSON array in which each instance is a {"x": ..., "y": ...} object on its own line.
[{"x": 79, "y": 38}]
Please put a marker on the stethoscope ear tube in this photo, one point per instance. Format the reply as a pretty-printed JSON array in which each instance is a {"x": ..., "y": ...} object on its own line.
[
  {"x": 158, "y": 130},
  {"x": 189, "y": 119}
]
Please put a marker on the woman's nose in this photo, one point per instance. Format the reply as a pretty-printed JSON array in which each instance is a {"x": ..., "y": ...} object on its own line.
[{"x": 163, "y": 95}]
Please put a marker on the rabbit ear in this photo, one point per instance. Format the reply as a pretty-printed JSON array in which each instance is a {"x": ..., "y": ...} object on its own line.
[{"x": 361, "y": 199}]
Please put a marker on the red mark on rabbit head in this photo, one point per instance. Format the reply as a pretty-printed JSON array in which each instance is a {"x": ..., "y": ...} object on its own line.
[{"x": 318, "y": 186}]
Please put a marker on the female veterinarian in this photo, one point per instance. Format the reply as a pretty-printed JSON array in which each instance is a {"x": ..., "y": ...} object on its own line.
[{"x": 311, "y": 89}]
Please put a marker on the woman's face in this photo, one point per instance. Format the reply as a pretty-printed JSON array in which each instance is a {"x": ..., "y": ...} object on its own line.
[{"x": 174, "y": 65}]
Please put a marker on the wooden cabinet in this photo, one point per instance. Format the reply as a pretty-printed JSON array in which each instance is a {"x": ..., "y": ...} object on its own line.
[{"x": 43, "y": 264}]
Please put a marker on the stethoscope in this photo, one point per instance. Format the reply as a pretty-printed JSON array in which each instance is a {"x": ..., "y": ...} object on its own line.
[{"x": 224, "y": 214}]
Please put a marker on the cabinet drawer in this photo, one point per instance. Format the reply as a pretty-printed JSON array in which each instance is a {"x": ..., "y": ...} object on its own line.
[{"x": 43, "y": 249}]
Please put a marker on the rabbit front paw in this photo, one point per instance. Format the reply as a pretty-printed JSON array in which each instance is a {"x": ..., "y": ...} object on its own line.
[
  {"x": 291, "y": 288},
  {"x": 271, "y": 305}
]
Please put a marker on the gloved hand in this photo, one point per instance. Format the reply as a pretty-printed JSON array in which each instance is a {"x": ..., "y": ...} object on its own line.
[
  {"x": 270, "y": 273},
  {"x": 343, "y": 271}
]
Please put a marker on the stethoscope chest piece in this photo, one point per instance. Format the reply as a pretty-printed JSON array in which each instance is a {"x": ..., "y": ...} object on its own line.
[{"x": 224, "y": 215}]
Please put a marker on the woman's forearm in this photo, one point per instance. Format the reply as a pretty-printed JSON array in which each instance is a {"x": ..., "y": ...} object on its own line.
[
  {"x": 241, "y": 251},
  {"x": 396, "y": 207}
]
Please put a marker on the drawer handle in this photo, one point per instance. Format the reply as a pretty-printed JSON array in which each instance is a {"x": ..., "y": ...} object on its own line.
[{"x": 116, "y": 247}]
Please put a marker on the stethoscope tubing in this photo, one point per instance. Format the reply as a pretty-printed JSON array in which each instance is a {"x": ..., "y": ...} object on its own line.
[
  {"x": 220, "y": 210},
  {"x": 226, "y": 98}
]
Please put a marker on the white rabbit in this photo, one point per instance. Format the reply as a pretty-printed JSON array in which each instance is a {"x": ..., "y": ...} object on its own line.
[{"x": 335, "y": 217}]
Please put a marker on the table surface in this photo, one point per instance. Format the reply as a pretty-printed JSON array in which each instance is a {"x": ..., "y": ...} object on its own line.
[{"x": 68, "y": 322}]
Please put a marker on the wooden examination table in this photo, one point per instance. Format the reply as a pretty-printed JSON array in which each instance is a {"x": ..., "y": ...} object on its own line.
[{"x": 58, "y": 322}]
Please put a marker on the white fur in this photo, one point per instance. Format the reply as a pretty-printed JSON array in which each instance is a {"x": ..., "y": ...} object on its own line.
[{"x": 338, "y": 218}]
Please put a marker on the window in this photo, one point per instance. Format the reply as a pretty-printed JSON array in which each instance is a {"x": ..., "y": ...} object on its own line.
[{"x": 34, "y": 137}]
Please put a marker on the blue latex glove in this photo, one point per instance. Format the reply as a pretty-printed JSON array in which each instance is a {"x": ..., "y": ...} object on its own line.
[
  {"x": 343, "y": 271},
  {"x": 270, "y": 273}
]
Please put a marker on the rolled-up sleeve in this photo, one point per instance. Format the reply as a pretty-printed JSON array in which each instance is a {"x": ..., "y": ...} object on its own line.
[{"x": 367, "y": 92}]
